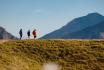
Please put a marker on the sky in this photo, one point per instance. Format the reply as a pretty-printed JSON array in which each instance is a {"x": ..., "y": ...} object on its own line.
[{"x": 44, "y": 15}]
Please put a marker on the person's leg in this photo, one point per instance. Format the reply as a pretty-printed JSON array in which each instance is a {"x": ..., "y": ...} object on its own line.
[
  {"x": 20, "y": 36},
  {"x": 34, "y": 37}
]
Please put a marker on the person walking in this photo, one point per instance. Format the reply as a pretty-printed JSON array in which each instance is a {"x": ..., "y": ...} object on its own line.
[
  {"x": 34, "y": 33},
  {"x": 28, "y": 34},
  {"x": 21, "y": 34}
]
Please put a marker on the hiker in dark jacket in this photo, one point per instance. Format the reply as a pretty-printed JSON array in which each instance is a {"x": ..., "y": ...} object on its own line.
[
  {"x": 34, "y": 33},
  {"x": 21, "y": 34},
  {"x": 28, "y": 34}
]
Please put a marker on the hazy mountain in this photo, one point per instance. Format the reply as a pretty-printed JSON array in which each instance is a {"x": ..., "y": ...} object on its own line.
[
  {"x": 92, "y": 32},
  {"x": 76, "y": 25},
  {"x": 5, "y": 35}
]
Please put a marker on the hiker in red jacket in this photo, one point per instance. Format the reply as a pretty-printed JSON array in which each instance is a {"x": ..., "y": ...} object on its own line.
[{"x": 34, "y": 33}]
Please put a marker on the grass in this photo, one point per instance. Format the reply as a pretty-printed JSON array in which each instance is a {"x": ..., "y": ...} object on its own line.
[{"x": 69, "y": 54}]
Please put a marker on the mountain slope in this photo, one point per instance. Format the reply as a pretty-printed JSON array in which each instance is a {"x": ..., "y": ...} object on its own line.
[
  {"x": 76, "y": 25},
  {"x": 5, "y": 35},
  {"x": 92, "y": 32}
]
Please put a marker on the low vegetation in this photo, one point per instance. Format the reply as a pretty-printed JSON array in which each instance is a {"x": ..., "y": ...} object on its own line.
[{"x": 69, "y": 54}]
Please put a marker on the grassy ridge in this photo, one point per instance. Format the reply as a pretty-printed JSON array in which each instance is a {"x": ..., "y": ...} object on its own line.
[{"x": 69, "y": 54}]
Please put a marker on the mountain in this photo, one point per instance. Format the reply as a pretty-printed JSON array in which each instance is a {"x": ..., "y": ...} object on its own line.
[
  {"x": 75, "y": 25},
  {"x": 5, "y": 35},
  {"x": 92, "y": 32}
]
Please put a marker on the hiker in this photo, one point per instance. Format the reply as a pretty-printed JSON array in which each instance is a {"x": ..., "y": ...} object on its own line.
[
  {"x": 20, "y": 32},
  {"x": 34, "y": 33},
  {"x": 28, "y": 34}
]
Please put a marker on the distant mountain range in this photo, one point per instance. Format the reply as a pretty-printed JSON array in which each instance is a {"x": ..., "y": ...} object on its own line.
[
  {"x": 6, "y": 35},
  {"x": 90, "y": 26}
]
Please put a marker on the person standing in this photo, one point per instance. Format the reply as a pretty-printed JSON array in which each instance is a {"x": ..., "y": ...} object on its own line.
[
  {"x": 34, "y": 33},
  {"x": 28, "y": 34},
  {"x": 21, "y": 34}
]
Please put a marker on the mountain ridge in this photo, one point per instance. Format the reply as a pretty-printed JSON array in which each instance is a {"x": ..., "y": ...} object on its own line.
[
  {"x": 5, "y": 35},
  {"x": 75, "y": 25},
  {"x": 92, "y": 32}
]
